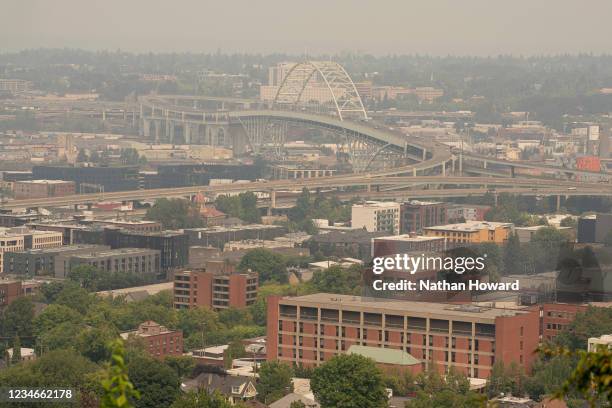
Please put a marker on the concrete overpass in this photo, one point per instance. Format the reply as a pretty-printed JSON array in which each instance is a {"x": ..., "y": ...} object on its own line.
[{"x": 367, "y": 183}]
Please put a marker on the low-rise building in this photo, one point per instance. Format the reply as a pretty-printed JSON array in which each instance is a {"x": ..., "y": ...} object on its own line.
[
  {"x": 45, "y": 261},
  {"x": 235, "y": 388},
  {"x": 401, "y": 244},
  {"x": 377, "y": 216},
  {"x": 467, "y": 212},
  {"x": 159, "y": 341},
  {"x": 42, "y": 188},
  {"x": 144, "y": 226},
  {"x": 596, "y": 342},
  {"x": 472, "y": 232},
  {"x": 525, "y": 234},
  {"x": 142, "y": 262},
  {"x": 594, "y": 228},
  {"x": 354, "y": 243}
]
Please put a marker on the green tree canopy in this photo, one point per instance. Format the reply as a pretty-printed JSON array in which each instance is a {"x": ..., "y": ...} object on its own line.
[
  {"x": 175, "y": 213},
  {"x": 157, "y": 383},
  {"x": 269, "y": 265},
  {"x": 349, "y": 381},
  {"x": 274, "y": 381}
]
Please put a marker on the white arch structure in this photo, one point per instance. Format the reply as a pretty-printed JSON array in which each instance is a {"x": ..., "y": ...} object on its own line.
[{"x": 341, "y": 87}]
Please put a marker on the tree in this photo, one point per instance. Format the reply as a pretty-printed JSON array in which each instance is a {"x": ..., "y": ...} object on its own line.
[
  {"x": 119, "y": 392},
  {"x": 17, "y": 318},
  {"x": 93, "y": 342},
  {"x": 175, "y": 213},
  {"x": 243, "y": 206},
  {"x": 16, "y": 358},
  {"x": 592, "y": 376},
  {"x": 274, "y": 381},
  {"x": 183, "y": 365},
  {"x": 505, "y": 379},
  {"x": 85, "y": 275},
  {"x": 201, "y": 399},
  {"x": 593, "y": 322},
  {"x": 157, "y": 383},
  {"x": 129, "y": 156},
  {"x": 94, "y": 157},
  {"x": 234, "y": 350},
  {"x": 269, "y": 265},
  {"x": 452, "y": 390},
  {"x": 54, "y": 315},
  {"x": 545, "y": 245},
  {"x": 568, "y": 222},
  {"x": 349, "y": 381},
  {"x": 81, "y": 156},
  {"x": 57, "y": 368},
  {"x": 297, "y": 404},
  {"x": 512, "y": 255},
  {"x": 337, "y": 279},
  {"x": 548, "y": 375},
  {"x": 75, "y": 298}
]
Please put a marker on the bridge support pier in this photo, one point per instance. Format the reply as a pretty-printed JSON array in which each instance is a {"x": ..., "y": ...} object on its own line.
[
  {"x": 272, "y": 199},
  {"x": 496, "y": 199},
  {"x": 461, "y": 164},
  {"x": 558, "y": 203},
  {"x": 443, "y": 169},
  {"x": 484, "y": 164},
  {"x": 414, "y": 174}
]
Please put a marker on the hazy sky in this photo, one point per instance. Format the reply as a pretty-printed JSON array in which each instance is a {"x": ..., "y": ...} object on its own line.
[{"x": 437, "y": 27}]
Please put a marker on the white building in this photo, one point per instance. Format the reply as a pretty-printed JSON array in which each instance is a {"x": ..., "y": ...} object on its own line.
[
  {"x": 595, "y": 342},
  {"x": 377, "y": 216}
]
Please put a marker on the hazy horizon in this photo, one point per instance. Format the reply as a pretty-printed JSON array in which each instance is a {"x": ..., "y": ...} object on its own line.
[{"x": 434, "y": 28}]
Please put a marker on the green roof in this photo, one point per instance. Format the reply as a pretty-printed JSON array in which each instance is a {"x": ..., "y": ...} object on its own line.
[{"x": 384, "y": 355}]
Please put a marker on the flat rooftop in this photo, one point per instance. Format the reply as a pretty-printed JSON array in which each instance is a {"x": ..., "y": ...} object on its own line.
[
  {"x": 235, "y": 228},
  {"x": 438, "y": 310},
  {"x": 471, "y": 226},
  {"x": 115, "y": 252},
  {"x": 408, "y": 238},
  {"x": 45, "y": 182}
]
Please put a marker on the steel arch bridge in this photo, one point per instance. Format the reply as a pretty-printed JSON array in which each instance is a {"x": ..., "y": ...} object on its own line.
[{"x": 343, "y": 93}]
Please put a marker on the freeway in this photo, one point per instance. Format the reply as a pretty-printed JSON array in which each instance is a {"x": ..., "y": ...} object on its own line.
[
  {"x": 287, "y": 202},
  {"x": 518, "y": 185}
]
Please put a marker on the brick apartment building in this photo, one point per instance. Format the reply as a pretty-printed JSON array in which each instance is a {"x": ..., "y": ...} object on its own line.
[
  {"x": 311, "y": 329},
  {"x": 159, "y": 341},
  {"x": 9, "y": 291},
  {"x": 214, "y": 289},
  {"x": 555, "y": 317},
  {"x": 416, "y": 215}
]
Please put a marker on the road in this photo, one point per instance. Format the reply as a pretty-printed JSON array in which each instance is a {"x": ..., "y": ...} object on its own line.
[{"x": 517, "y": 185}]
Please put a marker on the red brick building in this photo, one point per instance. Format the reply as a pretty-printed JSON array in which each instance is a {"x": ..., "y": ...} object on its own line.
[
  {"x": 158, "y": 341},
  {"x": 416, "y": 215},
  {"x": 220, "y": 290},
  {"x": 42, "y": 188},
  {"x": 311, "y": 329},
  {"x": 9, "y": 291},
  {"x": 556, "y": 317}
]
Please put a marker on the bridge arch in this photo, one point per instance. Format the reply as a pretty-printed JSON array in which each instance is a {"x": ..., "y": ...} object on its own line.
[{"x": 342, "y": 89}]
